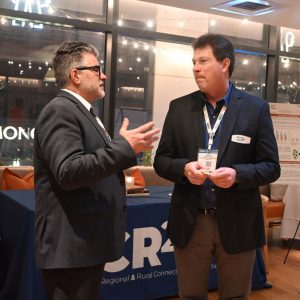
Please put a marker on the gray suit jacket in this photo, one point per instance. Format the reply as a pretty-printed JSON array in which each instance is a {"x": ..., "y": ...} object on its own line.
[
  {"x": 239, "y": 209},
  {"x": 79, "y": 187}
]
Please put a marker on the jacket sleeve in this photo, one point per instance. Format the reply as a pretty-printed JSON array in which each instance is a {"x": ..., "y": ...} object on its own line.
[
  {"x": 60, "y": 142},
  {"x": 166, "y": 162},
  {"x": 265, "y": 167}
]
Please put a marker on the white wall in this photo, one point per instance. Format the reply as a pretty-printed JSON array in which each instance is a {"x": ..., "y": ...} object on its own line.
[{"x": 173, "y": 77}]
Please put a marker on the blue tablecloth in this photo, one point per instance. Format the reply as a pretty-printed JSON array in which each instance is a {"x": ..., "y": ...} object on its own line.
[
  {"x": 146, "y": 271},
  {"x": 19, "y": 278}
]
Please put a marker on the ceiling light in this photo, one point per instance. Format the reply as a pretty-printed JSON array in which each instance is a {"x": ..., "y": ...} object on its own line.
[
  {"x": 150, "y": 24},
  {"x": 50, "y": 10},
  {"x": 212, "y": 22},
  {"x": 246, "y": 7}
]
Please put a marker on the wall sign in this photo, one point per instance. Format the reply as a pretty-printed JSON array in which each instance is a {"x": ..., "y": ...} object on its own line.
[{"x": 31, "y": 6}]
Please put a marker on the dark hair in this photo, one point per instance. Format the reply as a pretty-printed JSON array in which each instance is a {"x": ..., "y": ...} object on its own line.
[
  {"x": 222, "y": 48},
  {"x": 68, "y": 56}
]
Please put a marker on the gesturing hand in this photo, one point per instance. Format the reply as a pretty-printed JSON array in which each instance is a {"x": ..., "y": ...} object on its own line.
[{"x": 140, "y": 138}]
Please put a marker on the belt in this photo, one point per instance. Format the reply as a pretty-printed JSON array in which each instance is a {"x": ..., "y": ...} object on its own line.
[{"x": 207, "y": 211}]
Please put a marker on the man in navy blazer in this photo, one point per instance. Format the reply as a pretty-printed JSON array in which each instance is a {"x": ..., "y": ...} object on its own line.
[
  {"x": 80, "y": 211},
  {"x": 218, "y": 147}
]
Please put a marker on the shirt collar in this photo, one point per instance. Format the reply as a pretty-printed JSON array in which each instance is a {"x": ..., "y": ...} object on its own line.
[
  {"x": 226, "y": 97},
  {"x": 85, "y": 103}
]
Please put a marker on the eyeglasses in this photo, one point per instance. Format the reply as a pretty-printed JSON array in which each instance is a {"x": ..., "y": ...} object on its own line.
[{"x": 96, "y": 69}]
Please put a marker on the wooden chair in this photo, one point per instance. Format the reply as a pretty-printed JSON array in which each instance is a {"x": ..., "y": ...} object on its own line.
[{"x": 274, "y": 212}]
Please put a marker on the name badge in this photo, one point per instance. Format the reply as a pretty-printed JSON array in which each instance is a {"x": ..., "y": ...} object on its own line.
[
  {"x": 208, "y": 158},
  {"x": 242, "y": 139}
]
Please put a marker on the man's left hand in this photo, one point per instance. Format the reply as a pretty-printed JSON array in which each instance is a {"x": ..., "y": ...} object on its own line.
[{"x": 223, "y": 177}]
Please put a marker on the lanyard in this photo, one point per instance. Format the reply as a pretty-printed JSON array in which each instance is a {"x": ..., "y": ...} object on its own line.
[{"x": 212, "y": 132}]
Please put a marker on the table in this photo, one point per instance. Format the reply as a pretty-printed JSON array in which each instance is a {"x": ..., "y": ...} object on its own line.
[
  {"x": 146, "y": 271},
  {"x": 19, "y": 279}
]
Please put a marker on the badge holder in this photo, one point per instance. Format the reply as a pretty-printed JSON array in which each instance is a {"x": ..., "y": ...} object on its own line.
[{"x": 208, "y": 158}]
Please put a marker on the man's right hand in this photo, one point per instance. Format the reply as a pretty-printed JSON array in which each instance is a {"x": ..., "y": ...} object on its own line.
[
  {"x": 140, "y": 138},
  {"x": 192, "y": 171}
]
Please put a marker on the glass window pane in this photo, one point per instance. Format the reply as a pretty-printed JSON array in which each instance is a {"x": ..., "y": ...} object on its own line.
[
  {"x": 27, "y": 82},
  {"x": 240, "y": 31},
  {"x": 249, "y": 73},
  {"x": 90, "y": 11},
  {"x": 289, "y": 80},
  {"x": 149, "y": 75},
  {"x": 173, "y": 20}
]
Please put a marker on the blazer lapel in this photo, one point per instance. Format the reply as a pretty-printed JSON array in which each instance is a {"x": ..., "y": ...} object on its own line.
[
  {"x": 83, "y": 109},
  {"x": 197, "y": 118},
  {"x": 229, "y": 121},
  {"x": 94, "y": 121}
]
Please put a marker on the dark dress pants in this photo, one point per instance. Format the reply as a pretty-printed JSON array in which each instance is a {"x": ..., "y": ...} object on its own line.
[{"x": 73, "y": 283}]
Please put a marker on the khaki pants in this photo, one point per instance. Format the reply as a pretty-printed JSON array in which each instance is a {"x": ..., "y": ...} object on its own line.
[{"x": 193, "y": 265}]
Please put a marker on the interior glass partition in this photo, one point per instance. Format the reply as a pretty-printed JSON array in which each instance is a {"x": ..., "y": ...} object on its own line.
[
  {"x": 288, "y": 80},
  {"x": 179, "y": 21},
  {"x": 90, "y": 11},
  {"x": 249, "y": 74},
  {"x": 27, "y": 82},
  {"x": 149, "y": 72}
]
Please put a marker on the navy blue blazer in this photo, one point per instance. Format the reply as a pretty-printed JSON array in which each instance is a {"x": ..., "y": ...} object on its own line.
[
  {"x": 239, "y": 208},
  {"x": 80, "y": 215}
]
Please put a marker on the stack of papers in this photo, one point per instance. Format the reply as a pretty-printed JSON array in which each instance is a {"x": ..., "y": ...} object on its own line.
[{"x": 137, "y": 191}]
